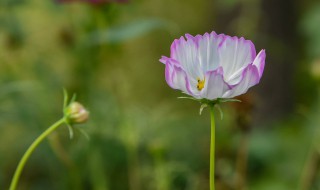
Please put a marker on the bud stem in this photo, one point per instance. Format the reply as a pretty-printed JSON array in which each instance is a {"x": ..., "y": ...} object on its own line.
[{"x": 30, "y": 150}]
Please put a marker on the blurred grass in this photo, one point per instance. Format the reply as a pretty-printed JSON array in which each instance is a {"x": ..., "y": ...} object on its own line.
[{"x": 142, "y": 137}]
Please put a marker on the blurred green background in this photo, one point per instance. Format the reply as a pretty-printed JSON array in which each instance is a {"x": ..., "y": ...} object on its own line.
[{"x": 141, "y": 136}]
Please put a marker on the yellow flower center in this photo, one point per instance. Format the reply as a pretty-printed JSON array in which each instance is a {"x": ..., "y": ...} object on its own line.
[{"x": 200, "y": 84}]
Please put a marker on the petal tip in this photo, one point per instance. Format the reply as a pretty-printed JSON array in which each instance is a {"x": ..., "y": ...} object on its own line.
[
  {"x": 163, "y": 59},
  {"x": 259, "y": 61}
]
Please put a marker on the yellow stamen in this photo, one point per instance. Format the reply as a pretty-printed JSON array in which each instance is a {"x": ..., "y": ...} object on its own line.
[{"x": 200, "y": 85}]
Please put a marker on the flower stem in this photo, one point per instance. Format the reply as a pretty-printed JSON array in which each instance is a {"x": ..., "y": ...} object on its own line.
[
  {"x": 29, "y": 151},
  {"x": 212, "y": 148}
]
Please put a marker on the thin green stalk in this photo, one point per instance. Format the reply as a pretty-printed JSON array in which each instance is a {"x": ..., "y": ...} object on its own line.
[
  {"x": 29, "y": 151},
  {"x": 212, "y": 148}
]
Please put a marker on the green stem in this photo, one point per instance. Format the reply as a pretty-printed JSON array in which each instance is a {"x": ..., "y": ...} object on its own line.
[
  {"x": 212, "y": 148},
  {"x": 29, "y": 151}
]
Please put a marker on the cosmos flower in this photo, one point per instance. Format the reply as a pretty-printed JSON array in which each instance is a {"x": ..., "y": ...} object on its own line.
[{"x": 213, "y": 66}]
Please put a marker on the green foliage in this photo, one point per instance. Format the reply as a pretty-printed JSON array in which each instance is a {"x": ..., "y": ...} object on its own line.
[
  {"x": 311, "y": 29},
  {"x": 126, "y": 32},
  {"x": 141, "y": 136}
]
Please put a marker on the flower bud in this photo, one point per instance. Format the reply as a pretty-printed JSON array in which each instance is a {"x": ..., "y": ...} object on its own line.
[{"x": 76, "y": 113}]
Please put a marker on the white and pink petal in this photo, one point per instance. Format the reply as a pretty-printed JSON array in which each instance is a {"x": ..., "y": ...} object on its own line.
[
  {"x": 208, "y": 51},
  {"x": 215, "y": 86},
  {"x": 177, "y": 78},
  {"x": 185, "y": 52},
  {"x": 259, "y": 61},
  {"x": 235, "y": 55},
  {"x": 250, "y": 77}
]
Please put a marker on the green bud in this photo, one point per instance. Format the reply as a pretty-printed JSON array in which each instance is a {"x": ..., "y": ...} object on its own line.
[{"x": 76, "y": 113}]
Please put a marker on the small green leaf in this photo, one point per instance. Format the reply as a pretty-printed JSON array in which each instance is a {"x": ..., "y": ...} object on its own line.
[
  {"x": 202, "y": 107},
  {"x": 70, "y": 131},
  {"x": 65, "y": 98},
  {"x": 73, "y": 98},
  {"x": 185, "y": 97},
  {"x": 222, "y": 100},
  {"x": 220, "y": 111}
]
